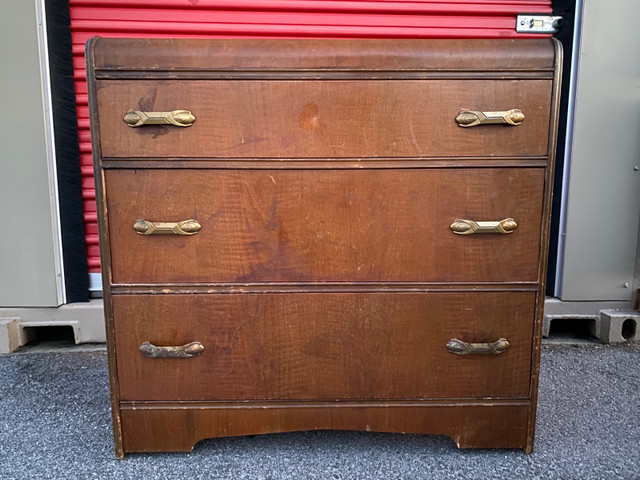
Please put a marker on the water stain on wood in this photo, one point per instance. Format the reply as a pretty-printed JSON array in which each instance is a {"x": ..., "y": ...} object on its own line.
[{"x": 309, "y": 119}]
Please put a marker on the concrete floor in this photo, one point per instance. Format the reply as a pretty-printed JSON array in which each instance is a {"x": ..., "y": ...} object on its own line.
[{"x": 55, "y": 423}]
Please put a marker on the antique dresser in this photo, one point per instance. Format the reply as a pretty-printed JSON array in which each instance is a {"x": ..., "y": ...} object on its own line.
[{"x": 323, "y": 234}]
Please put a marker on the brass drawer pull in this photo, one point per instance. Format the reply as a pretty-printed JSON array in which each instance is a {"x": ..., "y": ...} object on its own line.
[
  {"x": 186, "y": 227},
  {"x": 189, "y": 350},
  {"x": 468, "y": 227},
  {"x": 471, "y": 118},
  {"x": 464, "y": 348},
  {"x": 179, "y": 118}
]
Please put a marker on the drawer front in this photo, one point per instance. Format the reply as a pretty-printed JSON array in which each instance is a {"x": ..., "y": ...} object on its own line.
[
  {"x": 323, "y": 346},
  {"x": 315, "y": 119},
  {"x": 324, "y": 225}
]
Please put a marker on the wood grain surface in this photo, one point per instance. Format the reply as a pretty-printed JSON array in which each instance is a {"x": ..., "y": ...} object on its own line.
[
  {"x": 306, "y": 225},
  {"x": 359, "y": 55},
  {"x": 305, "y": 118},
  {"x": 323, "y": 346}
]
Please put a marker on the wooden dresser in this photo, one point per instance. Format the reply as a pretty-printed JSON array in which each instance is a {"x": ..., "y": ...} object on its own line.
[{"x": 323, "y": 234}]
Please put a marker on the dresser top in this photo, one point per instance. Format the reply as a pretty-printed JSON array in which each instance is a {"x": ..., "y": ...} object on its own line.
[{"x": 155, "y": 55}]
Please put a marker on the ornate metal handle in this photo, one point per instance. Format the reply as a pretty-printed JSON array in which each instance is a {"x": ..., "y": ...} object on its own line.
[
  {"x": 179, "y": 118},
  {"x": 471, "y": 118},
  {"x": 468, "y": 227},
  {"x": 186, "y": 227},
  {"x": 464, "y": 348},
  {"x": 189, "y": 350}
]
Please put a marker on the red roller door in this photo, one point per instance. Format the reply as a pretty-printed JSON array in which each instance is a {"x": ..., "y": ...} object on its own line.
[{"x": 272, "y": 18}]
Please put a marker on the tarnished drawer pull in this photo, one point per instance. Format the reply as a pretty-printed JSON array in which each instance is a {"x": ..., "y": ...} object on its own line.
[
  {"x": 468, "y": 227},
  {"x": 192, "y": 349},
  {"x": 186, "y": 227},
  {"x": 464, "y": 348},
  {"x": 471, "y": 118},
  {"x": 179, "y": 118}
]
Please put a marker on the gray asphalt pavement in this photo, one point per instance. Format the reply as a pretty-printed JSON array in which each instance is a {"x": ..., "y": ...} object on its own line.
[{"x": 55, "y": 424}]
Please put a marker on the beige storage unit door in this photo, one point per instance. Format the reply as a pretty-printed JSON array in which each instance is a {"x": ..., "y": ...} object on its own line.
[
  {"x": 30, "y": 249},
  {"x": 601, "y": 204}
]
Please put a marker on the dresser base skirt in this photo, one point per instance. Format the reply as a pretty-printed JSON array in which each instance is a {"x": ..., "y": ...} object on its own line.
[{"x": 178, "y": 426}]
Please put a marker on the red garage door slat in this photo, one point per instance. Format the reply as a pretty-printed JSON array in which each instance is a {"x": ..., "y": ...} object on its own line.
[{"x": 271, "y": 18}]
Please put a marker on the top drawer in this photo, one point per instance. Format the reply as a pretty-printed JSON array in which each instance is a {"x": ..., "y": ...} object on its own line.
[
  {"x": 323, "y": 119},
  {"x": 321, "y": 99}
]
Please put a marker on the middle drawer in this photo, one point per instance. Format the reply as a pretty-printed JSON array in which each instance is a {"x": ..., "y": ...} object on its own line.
[{"x": 393, "y": 225}]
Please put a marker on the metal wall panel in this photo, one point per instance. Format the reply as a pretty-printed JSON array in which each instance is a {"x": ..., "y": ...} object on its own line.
[
  {"x": 31, "y": 268},
  {"x": 601, "y": 200},
  {"x": 273, "y": 18}
]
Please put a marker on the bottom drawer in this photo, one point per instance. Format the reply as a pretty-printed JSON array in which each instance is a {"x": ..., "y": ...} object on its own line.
[{"x": 327, "y": 346}]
